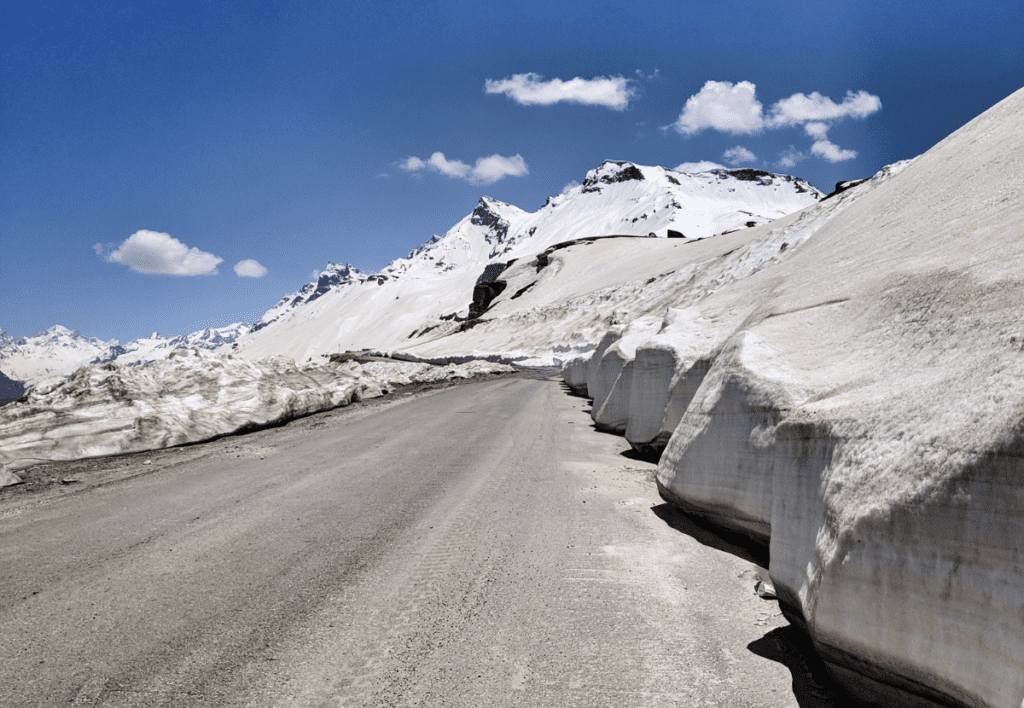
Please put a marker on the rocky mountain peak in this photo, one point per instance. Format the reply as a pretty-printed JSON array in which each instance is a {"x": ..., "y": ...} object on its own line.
[
  {"x": 611, "y": 172},
  {"x": 767, "y": 179}
]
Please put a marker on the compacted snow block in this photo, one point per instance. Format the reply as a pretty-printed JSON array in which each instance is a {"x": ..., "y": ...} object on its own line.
[
  {"x": 615, "y": 373},
  {"x": 574, "y": 373},
  {"x": 598, "y": 381},
  {"x": 865, "y": 421},
  {"x": 667, "y": 370}
]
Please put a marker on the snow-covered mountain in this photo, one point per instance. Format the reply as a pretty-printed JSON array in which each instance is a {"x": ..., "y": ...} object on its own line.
[
  {"x": 156, "y": 347},
  {"x": 333, "y": 276},
  {"x": 60, "y": 350},
  {"x": 433, "y": 286},
  {"x": 57, "y": 350}
]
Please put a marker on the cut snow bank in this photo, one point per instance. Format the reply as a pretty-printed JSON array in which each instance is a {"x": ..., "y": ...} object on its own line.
[
  {"x": 857, "y": 407},
  {"x": 193, "y": 395}
]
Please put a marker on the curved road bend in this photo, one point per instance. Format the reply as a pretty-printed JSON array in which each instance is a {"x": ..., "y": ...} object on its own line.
[{"x": 477, "y": 545}]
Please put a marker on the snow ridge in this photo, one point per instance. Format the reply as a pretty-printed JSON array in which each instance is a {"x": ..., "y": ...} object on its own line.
[{"x": 616, "y": 198}]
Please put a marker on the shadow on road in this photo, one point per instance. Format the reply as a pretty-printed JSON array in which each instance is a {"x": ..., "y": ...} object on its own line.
[
  {"x": 812, "y": 685},
  {"x": 708, "y": 535}
]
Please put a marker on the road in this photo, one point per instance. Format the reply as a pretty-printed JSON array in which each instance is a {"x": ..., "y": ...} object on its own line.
[{"x": 477, "y": 545}]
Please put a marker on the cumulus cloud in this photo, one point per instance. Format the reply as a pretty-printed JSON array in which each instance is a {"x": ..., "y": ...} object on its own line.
[
  {"x": 411, "y": 164},
  {"x": 695, "y": 167},
  {"x": 738, "y": 155},
  {"x": 831, "y": 152},
  {"x": 487, "y": 170},
  {"x": 573, "y": 184},
  {"x": 155, "y": 253},
  {"x": 722, "y": 106},
  {"x": 532, "y": 90},
  {"x": 734, "y": 108},
  {"x": 790, "y": 157},
  {"x": 799, "y": 109},
  {"x": 249, "y": 269},
  {"x": 825, "y": 148}
]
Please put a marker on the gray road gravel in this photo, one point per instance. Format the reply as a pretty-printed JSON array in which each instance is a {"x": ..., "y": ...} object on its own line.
[{"x": 478, "y": 545}]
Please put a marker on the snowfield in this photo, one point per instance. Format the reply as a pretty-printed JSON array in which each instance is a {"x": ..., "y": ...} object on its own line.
[{"x": 429, "y": 294}]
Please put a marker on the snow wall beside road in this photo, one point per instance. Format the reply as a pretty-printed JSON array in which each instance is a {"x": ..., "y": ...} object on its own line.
[{"x": 858, "y": 408}]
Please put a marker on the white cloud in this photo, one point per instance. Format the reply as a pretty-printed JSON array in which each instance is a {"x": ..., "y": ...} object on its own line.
[
  {"x": 832, "y": 152},
  {"x": 738, "y": 155},
  {"x": 695, "y": 167},
  {"x": 487, "y": 170},
  {"x": 249, "y": 269},
  {"x": 722, "y": 106},
  {"x": 573, "y": 184},
  {"x": 799, "y": 108},
  {"x": 531, "y": 90},
  {"x": 490, "y": 169},
  {"x": 451, "y": 168},
  {"x": 411, "y": 164},
  {"x": 816, "y": 129},
  {"x": 789, "y": 158},
  {"x": 734, "y": 108},
  {"x": 155, "y": 253},
  {"x": 825, "y": 148}
]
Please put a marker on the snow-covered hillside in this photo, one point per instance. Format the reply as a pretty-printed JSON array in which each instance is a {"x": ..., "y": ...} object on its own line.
[
  {"x": 58, "y": 350},
  {"x": 432, "y": 288}
]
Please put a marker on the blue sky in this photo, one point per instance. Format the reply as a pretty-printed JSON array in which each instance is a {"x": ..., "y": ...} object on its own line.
[{"x": 163, "y": 136}]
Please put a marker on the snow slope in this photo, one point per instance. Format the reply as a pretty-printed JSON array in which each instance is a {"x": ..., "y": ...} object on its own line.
[
  {"x": 428, "y": 294},
  {"x": 562, "y": 300},
  {"x": 858, "y": 407}
]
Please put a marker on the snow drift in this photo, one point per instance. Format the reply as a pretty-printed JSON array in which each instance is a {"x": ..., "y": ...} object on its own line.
[{"x": 857, "y": 407}]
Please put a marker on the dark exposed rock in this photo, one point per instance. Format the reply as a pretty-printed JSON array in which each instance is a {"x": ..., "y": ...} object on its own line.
[
  {"x": 765, "y": 179},
  {"x": 487, "y": 288},
  {"x": 628, "y": 172},
  {"x": 10, "y": 390},
  {"x": 843, "y": 186}
]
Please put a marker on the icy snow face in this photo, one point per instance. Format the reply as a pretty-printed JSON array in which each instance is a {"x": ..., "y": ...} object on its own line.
[
  {"x": 58, "y": 350},
  {"x": 192, "y": 395}
]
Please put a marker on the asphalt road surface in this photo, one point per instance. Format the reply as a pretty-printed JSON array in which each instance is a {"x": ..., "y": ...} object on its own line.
[{"x": 480, "y": 545}]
